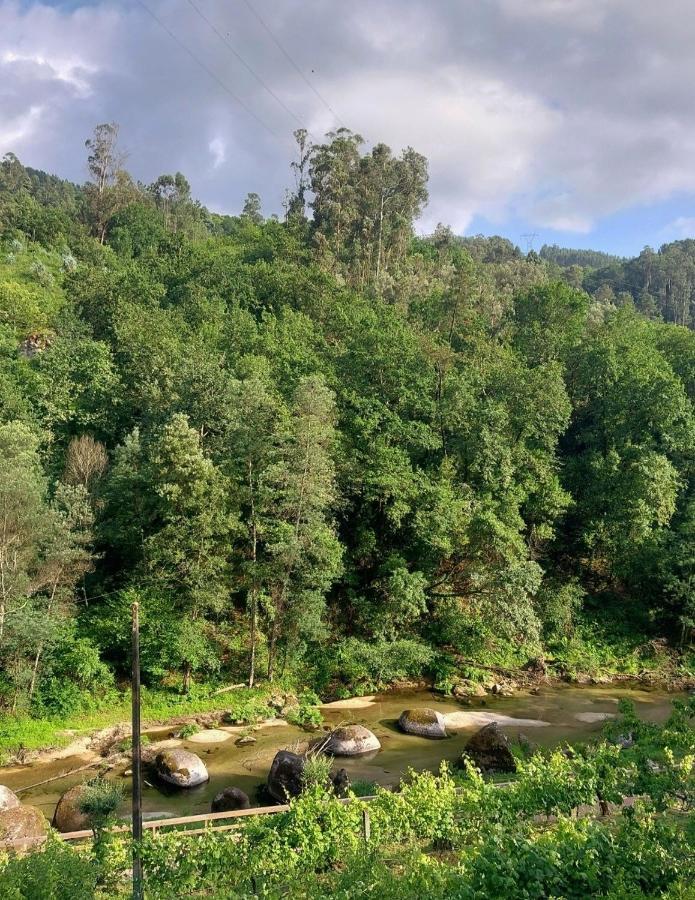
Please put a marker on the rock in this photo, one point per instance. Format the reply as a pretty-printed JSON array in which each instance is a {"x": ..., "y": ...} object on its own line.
[
  {"x": 535, "y": 691},
  {"x": 229, "y": 800},
  {"x": 67, "y": 816},
  {"x": 350, "y": 740},
  {"x": 496, "y": 688},
  {"x": 181, "y": 768},
  {"x": 653, "y": 767},
  {"x": 285, "y": 776},
  {"x": 341, "y": 782},
  {"x": 625, "y": 741},
  {"x": 245, "y": 740},
  {"x": 536, "y": 666},
  {"x": 423, "y": 721},
  {"x": 489, "y": 750},
  {"x": 466, "y": 689},
  {"x": 19, "y": 823},
  {"x": 8, "y": 799},
  {"x": 209, "y": 736}
]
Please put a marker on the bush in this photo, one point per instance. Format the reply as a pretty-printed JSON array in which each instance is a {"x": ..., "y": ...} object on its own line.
[
  {"x": 55, "y": 872},
  {"x": 370, "y": 666}
]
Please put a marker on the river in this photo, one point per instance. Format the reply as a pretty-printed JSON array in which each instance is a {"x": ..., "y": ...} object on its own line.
[{"x": 557, "y": 714}]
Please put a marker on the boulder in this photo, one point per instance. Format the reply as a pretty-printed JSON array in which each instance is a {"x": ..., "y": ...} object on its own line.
[
  {"x": 285, "y": 776},
  {"x": 245, "y": 740},
  {"x": 537, "y": 666},
  {"x": 22, "y": 823},
  {"x": 467, "y": 689},
  {"x": 423, "y": 721},
  {"x": 229, "y": 800},
  {"x": 8, "y": 799},
  {"x": 488, "y": 749},
  {"x": 341, "y": 783},
  {"x": 181, "y": 768},
  {"x": 350, "y": 740},
  {"x": 67, "y": 816}
]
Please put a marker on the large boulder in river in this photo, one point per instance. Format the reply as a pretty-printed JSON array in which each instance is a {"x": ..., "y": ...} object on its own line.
[
  {"x": 229, "y": 800},
  {"x": 68, "y": 816},
  {"x": 8, "y": 798},
  {"x": 180, "y": 768},
  {"x": 489, "y": 750},
  {"x": 423, "y": 721},
  {"x": 285, "y": 776},
  {"x": 350, "y": 740},
  {"x": 22, "y": 823}
]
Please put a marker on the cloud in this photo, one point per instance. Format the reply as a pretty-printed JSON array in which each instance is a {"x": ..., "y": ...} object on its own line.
[
  {"x": 554, "y": 112},
  {"x": 218, "y": 150}
]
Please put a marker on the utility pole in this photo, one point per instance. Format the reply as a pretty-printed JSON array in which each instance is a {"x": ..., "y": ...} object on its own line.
[
  {"x": 137, "y": 782},
  {"x": 530, "y": 237}
]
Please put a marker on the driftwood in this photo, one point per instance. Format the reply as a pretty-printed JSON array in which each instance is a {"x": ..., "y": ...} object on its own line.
[{"x": 84, "y": 768}]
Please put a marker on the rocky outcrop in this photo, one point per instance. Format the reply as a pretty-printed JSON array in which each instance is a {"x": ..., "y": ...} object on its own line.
[
  {"x": 8, "y": 799},
  {"x": 488, "y": 749},
  {"x": 423, "y": 721},
  {"x": 285, "y": 776},
  {"x": 180, "y": 768},
  {"x": 22, "y": 823},
  {"x": 67, "y": 816},
  {"x": 229, "y": 800},
  {"x": 350, "y": 740}
]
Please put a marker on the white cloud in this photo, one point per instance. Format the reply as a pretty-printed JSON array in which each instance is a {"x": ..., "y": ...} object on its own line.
[
  {"x": 559, "y": 112},
  {"x": 218, "y": 149}
]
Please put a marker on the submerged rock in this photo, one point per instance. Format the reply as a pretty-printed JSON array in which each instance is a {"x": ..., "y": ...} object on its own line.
[
  {"x": 350, "y": 740},
  {"x": 20, "y": 823},
  {"x": 181, "y": 768},
  {"x": 285, "y": 776},
  {"x": 488, "y": 749},
  {"x": 67, "y": 815},
  {"x": 8, "y": 798},
  {"x": 229, "y": 800},
  {"x": 423, "y": 721}
]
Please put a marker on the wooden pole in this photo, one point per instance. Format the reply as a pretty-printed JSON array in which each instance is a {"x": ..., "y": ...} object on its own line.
[{"x": 137, "y": 780}]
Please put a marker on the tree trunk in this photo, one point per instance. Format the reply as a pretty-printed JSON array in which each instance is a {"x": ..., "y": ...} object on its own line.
[
  {"x": 254, "y": 625},
  {"x": 187, "y": 677}
]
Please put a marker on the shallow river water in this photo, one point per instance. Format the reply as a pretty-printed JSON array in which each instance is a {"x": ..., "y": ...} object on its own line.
[{"x": 555, "y": 715}]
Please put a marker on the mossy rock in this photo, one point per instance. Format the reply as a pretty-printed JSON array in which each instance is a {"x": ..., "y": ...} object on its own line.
[
  {"x": 423, "y": 722},
  {"x": 68, "y": 816},
  {"x": 350, "y": 740},
  {"x": 181, "y": 768}
]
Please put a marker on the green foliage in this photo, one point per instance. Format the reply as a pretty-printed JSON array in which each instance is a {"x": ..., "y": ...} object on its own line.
[
  {"x": 55, "y": 872},
  {"x": 99, "y": 800},
  {"x": 316, "y": 771},
  {"x": 328, "y": 451},
  {"x": 189, "y": 730}
]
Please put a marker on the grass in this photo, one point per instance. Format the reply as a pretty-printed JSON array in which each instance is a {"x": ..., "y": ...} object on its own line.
[{"x": 25, "y": 732}]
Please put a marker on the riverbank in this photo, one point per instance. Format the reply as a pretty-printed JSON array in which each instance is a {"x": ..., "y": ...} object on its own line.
[{"x": 24, "y": 739}]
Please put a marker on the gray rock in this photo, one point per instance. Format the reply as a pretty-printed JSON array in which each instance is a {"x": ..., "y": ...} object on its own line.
[
  {"x": 423, "y": 721},
  {"x": 489, "y": 750},
  {"x": 350, "y": 740},
  {"x": 8, "y": 799},
  {"x": 229, "y": 800},
  {"x": 181, "y": 768}
]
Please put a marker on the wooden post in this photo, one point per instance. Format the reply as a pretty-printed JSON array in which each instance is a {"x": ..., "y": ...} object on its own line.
[
  {"x": 366, "y": 825},
  {"x": 137, "y": 780}
]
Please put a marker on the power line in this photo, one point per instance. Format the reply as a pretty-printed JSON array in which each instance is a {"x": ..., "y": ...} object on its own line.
[
  {"x": 294, "y": 65},
  {"x": 244, "y": 63},
  {"x": 209, "y": 71}
]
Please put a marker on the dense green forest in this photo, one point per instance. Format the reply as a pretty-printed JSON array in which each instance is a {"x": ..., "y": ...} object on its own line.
[{"x": 322, "y": 447}]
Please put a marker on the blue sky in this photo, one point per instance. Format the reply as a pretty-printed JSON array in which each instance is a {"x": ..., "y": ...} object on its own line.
[{"x": 572, "y": 119}]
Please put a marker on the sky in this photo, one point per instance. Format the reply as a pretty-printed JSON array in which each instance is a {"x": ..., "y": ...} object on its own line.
[{"x": 547, "y": 121}]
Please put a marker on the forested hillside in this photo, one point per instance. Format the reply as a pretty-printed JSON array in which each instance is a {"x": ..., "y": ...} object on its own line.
[{"x": 322, "y": 447}]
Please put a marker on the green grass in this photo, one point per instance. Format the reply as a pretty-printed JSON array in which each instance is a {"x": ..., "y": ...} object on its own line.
[{"x": 17, "y": 732}]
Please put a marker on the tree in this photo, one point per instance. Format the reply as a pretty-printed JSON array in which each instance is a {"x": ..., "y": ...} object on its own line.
[
  {"x": 252, "y": 209},
  {"x": 111, "y": 188},
  {"x": 43, "y": 553},
  {"x": 303, "y": 549}
]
